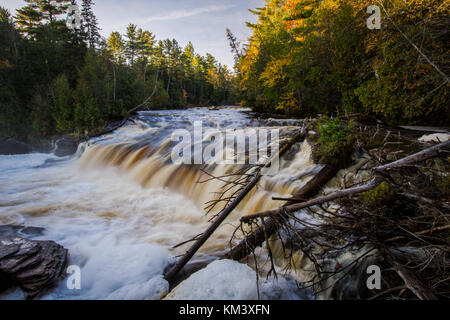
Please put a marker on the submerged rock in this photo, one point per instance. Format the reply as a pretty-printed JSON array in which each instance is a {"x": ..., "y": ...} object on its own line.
[
  {"x": 34, "y": 266},
  {"x": 11, "y": 231},
  {"x": 13, "y": 147},
  {"x": 66, "y": 146}
]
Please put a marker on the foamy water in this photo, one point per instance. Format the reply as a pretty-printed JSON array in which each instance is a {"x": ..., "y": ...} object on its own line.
[{"x": 119, "y": 207}]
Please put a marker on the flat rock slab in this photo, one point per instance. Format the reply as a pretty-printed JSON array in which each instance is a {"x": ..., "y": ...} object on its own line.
[{"x": 34, "y": 266}]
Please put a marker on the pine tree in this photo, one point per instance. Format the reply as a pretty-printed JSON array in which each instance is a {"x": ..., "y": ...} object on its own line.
[
  {"x": 116, "y": 47},
  {"x": 52, "y": 9},
  {"x": 5, "y": 16},
  {"x": 235, "y": 46},
  {"x": 146, "y": 41},
  {"x": 90, "y": 24},
  {"x": 38, "y": 12},
  {"x": 189, "y": 51},
  {"x": 29, "y": 17},
  {"x": 132, "y": 46}
]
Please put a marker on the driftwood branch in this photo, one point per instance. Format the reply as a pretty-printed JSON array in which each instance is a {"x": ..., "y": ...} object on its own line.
[
  {"x": 424, "y": 155},
  {"x": 411, "y": 281},
  {"x": 273, "y": 224},
  {"x": 336, "y": 195}
]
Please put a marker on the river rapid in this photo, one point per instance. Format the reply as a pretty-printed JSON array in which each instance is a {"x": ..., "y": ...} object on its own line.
[{"x": 120, "y": 206}]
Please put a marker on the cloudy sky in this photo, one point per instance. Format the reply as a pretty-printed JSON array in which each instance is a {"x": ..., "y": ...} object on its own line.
[{"x": 201, "y": 21}]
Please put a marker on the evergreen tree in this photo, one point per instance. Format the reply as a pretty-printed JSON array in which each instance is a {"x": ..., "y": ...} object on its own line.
[
  {"x": 63, "y": 113},
  {"x": 39, "y": 12},
  {"x": 90, "y": 24},
  {"x": 52, "y": 9},
  {"x": 235, "y": 46},
  {"x": 116, "y": 46},
  {"x": 146, "y": 41},
  {"x": 29, "y": 17},
  {"x": 132, "y": 44}
]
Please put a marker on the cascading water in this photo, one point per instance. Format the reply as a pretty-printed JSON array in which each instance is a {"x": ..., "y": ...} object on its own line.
[{"x": 119, "y": 205}]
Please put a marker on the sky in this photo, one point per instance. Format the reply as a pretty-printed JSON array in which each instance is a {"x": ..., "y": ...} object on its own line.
[{"x": 203, "y": 22}]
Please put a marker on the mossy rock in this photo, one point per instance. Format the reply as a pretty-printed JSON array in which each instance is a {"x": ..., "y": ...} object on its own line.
[{"x": 381, "y": 195}]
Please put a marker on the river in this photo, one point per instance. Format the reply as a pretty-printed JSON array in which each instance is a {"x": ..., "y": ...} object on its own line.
[{"x": 120, "y": 206}]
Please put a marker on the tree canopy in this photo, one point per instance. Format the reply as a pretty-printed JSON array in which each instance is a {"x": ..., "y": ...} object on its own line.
[{"x": 306, "y": 57}]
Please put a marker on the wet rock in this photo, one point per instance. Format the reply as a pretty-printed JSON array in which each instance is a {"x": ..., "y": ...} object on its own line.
[
  {"x": 11, "y": 231},
  {"x": 187, "y": 271},
  {"x": 66, "y": 146},
  {"x": 13, "y": 147},
  {"x": 34, "y": 266}
]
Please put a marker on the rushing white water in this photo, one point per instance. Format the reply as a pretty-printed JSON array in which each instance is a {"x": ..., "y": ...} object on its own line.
[{"x": 119, "y": 207}]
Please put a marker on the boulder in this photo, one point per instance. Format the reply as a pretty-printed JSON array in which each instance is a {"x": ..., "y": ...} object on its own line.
[
  {"x": 13, "y": 147},
  {"x": 66, "y": 146},
  {"x": 34, "y": 266}
]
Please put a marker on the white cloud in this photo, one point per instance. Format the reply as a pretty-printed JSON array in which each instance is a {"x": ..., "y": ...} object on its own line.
[{"x": 185, "y": 13}]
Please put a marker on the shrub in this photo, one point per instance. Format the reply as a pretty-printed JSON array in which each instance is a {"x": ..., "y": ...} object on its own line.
[{"x": 336, "y": 142}]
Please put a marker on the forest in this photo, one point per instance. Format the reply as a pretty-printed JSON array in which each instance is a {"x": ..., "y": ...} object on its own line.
[
  {"x": 308, "y": 57},
  {"x": 56, "y": 80},
  {"x": 304, "y": 58}
]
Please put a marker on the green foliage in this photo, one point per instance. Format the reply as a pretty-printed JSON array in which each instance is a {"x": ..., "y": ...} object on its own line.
[
  {"x": 308, "y": 57},
  {"x": 381, "y": 195},
  {"x": 55, "y": 80},
  {"x": 41, "y": 114},
  {"x": 92, "y": 116},
  {"x": 79, "y": 117},
  {"x": 443, "y": 183},
  {"x": 63, "y": 113},
  {"x": 335, "y": 144}
]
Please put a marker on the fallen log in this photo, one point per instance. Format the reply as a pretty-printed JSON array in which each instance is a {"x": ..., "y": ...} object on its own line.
[
  {"x": 176, "y": 268},
  {"x": 272, "y": 225},
  {"x": 379, "y": 172},
  {"x": 411, "y": 281},
  {"x": 334, "y": 196}
]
